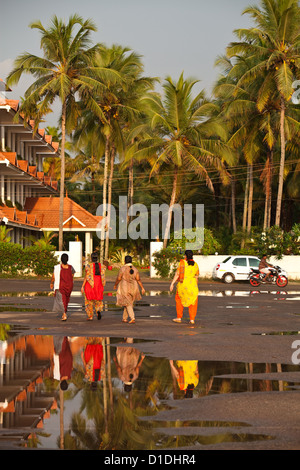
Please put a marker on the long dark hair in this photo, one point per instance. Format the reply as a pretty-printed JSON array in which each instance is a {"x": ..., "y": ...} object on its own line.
[
  {"x": 128, "y": 259},
  {"x": 189, "y": 257},
  {"x": 94, "y": 258}
]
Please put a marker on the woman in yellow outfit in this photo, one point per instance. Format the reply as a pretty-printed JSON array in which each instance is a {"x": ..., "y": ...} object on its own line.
[
  {"x": 187, "y": 289},
  {"x": 186, "y": 374}
]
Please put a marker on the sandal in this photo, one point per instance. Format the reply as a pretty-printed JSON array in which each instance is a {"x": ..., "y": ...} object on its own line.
[
  {"x": 125, "y": 321},
  {"x": 132, "y": 321}
]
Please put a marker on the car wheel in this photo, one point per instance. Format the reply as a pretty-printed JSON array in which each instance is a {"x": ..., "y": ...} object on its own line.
[{"x": 228, "y": 278}]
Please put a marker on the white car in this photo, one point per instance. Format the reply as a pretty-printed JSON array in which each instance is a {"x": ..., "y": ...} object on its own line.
[{"x": 235, "y": 268}]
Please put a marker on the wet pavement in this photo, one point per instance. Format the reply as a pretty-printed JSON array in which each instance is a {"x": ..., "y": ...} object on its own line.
[{"x": 241, "y": 355}]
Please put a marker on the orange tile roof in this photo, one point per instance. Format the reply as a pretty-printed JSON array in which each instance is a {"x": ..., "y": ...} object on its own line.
[
  {"x": 10, "y": 156},
  {"x": 40, "y": 175},
  {"x": 14, "y": 104},
  {"x": 32, "y": 170},
  {"x": 18, "y": 217},
  {"x": 46, "y": 209},
  {"x": 55, "y": 145},
  {"x": 23, "y": 164}
]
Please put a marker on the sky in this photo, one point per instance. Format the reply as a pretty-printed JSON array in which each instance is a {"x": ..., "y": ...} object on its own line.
[{"x": 172, "y": 36}]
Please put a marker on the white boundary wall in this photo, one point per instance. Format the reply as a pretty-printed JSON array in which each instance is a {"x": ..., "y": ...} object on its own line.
[
  {"x": 75, "y": 257},
  {"x": 291, "y": 264}
]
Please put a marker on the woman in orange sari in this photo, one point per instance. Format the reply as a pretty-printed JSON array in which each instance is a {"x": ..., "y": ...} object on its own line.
[
  {"x": 93, "y": 287},
  {"x": 187, "y": 289}
]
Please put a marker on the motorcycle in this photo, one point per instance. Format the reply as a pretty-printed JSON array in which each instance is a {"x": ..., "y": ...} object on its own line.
[{"x": 276, "y": 276}]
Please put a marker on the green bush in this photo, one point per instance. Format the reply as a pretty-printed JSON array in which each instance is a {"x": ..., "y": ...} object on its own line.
[
  {"x": 32, "y": 260},
  {"x": 166, "y": 261},
  {"x": 210, "y": 244}
]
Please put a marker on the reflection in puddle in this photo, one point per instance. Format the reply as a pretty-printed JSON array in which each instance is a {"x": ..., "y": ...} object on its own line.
[
  {"x": 155, "y": 293},
  {"x": 104, "y": 393},
  {"x": 278, "y": 333}
]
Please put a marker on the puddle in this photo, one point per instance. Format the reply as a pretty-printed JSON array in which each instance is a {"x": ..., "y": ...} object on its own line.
[
  {"x": 9, "y": 308},
  {"x": 278, "y": 333},
  {"x": 158, "y": 293},
  {"x": 114, "y": 394}
]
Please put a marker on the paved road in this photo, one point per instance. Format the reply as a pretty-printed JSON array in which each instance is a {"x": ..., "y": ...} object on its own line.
[{"x": 234, "y": 323}]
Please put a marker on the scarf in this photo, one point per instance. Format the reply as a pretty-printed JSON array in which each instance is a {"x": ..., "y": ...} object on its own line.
[{"x": 181, "y": 270}]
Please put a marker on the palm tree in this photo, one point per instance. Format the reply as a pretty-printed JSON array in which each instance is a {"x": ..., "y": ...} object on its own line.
[
  {"x": 4, "y": 231},
  {"x": 52, "y": 165},
  {"x": 273, "y": 47},
  {"x": 64, "y": 72},
  {"x": 112, "y": 111},
  {"x": 186, "y": 135}
]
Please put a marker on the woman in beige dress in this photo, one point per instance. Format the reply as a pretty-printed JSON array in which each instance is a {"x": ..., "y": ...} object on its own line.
[
  {"x": 128, "y": 363},
  {"x": 127, "y": 285}
]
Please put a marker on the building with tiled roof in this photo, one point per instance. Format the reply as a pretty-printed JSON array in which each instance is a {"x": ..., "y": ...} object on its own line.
[
  {"x": 75, "y": 219},
  {"x": 29, "y": 201}
]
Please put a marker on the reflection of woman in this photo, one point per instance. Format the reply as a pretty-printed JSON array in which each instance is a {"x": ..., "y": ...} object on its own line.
[
  {"x": 62, "y": 283},
  {"x": 128, "y": 364},
  {"x": 93, "y": 286},
  {"x": 187, "y": 375},
  {"x": 187, "y": 289},
  {"x": 127, "y": 283},
  {"x": 63, "y": 361},
  {"x": 92, "y": 359}
]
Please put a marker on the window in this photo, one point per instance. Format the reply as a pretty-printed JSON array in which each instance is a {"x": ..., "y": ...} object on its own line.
[
  {"x": 225, "y": 260},
  {"x": 240, "y": 262},
  {"x": 253, "y": 262}
]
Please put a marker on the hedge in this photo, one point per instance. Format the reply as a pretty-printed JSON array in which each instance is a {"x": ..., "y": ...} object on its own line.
[
  {"x": 166, "y": 262},
  {"x": 32, "y": 260}
]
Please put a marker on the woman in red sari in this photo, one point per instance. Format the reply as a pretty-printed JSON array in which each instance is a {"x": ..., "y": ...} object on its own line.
[{"x": 93, "y": 286}]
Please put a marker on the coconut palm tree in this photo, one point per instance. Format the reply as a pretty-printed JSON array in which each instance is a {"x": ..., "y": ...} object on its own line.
[
  {"x": 272, "y": 46},
  {"x": 4, "y": 231},
  {"x": 112, "y": 112},
  {"x": 63, "y": 72},
  {"x": 185, "y": 135}
]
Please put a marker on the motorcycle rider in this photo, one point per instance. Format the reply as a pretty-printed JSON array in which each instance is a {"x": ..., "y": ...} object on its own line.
[{"x": 264, "y": 267}]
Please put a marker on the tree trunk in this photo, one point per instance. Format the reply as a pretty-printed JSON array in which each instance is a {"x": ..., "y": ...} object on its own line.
[
  {"x": 250, "y": 202},
  {"x": 270, "y": 191},
  {"x": 130, "y": 189},
  {"x": 109, "y": 379},
  {"x": 173, "y": 198},
  {"x": 245, "y": 206},
  {"x": 233, "y": 205},
  {"x": 104, "y": 379},
  {"x": 62, "y": 177},
  {"x": 111, "y": 173},
  {"x": 268, "y": 199},
  {"x": 282, "y": 162},
  {"x": 61, "y": 420},
  {"x": 106, "y": 157}
]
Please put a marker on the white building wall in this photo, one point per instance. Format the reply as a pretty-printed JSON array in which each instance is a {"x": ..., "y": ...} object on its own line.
[{"x": 291, "y": 264}]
